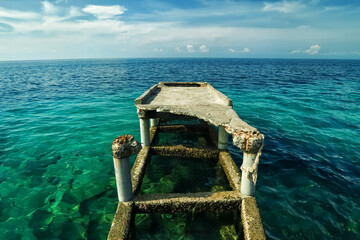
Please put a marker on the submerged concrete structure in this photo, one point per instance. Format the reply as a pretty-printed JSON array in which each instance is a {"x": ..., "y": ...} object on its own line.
[{"x": 170, "y": 100}]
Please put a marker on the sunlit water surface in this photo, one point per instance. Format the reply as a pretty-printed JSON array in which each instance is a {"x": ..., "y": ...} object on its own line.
[{"x": 58, "y": 119}]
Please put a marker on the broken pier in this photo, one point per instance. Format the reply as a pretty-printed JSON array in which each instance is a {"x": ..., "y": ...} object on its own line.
[{"x": 169, "y": 100}]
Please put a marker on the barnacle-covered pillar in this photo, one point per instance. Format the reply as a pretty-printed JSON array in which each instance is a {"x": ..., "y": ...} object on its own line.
[
  {"x": 144, "y": 128},
  {"x": 123, "y": 147},
  {"x": 222, "y": 138},
  {"x": 252, "y": 144}
]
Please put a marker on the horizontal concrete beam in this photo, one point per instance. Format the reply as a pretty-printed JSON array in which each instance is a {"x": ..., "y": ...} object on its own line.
[
  {"x": 183, "y": 128},
  {"x": 251, "y": 220},
  {"x": 183, "y": 151},
  {"x": 120, "y": 227},
  {"x": 178, "y": 203},
  {"x": 165, "y": 115},
  {"x": 231, "y": 170},
  {"x": 138, "y": 170}
]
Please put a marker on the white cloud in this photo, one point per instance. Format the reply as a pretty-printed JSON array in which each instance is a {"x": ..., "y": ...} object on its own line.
[
  {"x": 245, "y": 50},
  {"x": 13, "y": 14},
  {"x": 313, "y": 50},
  {"x": 102, "y": 31},
  {"x": 296, "y": 51},
  {"x": 75, "y": 12},
  {"x": 158, "y": 50},
  {"x": 49, "y": 8},
  {"x": 104, "y": 12},
  {"x": 283, "y": 7},
  {"x": 204, "y": 49},
  {"x": 190, "y": 48}
]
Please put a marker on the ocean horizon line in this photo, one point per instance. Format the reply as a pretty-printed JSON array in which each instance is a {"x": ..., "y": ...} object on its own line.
[{"x": 140, "y": 58}]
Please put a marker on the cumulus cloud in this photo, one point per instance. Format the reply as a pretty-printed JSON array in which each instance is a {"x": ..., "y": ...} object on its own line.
[
  {"x": 313, "y": 50},
  {"x": 232, "y": 50},
  {"x": 178, "y": 49},
  {"x": 104, "y": 12},
  {"x": 158, "y": 50},
  {"x": 204, "y": 49},
  {"x": 283, "y": 7},
  {"x": 190, "y": 48}
]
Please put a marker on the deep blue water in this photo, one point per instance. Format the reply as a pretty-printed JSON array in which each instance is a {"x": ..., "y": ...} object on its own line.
[{"x": 58, "y": 118}]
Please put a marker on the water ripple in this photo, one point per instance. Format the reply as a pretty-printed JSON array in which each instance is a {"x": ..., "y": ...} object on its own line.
[{"x": 58, "y": 118}]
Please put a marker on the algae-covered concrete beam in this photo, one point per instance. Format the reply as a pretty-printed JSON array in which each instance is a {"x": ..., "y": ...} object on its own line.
[
  {"x": 138, "y": 170},
  {"x": 178, "y": 202},
  {"x": 183, "y": 151},
  {"x": 120, "y": 227},
  {"x": 251, "y": 220},
  {"x": 231, "y": 170}
]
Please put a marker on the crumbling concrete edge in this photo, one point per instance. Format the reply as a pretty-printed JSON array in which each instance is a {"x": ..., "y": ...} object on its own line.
[
  {"x": 146, "y": 94},
  {"x": 251, "y": 220},
  {"x": 245, "y": 137}
]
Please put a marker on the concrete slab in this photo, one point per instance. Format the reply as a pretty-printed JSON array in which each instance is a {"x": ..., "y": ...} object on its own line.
[{"x": 202, "y": 101}]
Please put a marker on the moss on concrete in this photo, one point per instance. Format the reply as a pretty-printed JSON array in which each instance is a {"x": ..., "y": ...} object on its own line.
[
  {"x": 120, "y": 227},
  {"x": 251, "y": 220},
  {"x": 231, "y": 170},
  {"x": 187, "y": 152}
]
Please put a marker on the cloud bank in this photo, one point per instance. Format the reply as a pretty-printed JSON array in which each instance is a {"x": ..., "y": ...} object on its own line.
[{"x": 72, "y": 29}]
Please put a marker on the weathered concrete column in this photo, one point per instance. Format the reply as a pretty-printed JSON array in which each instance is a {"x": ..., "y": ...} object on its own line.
[
  {"x": 123, "y": 147},
  {"x": 251, "y": 143},
  {"x": 222, "y": 138},
  {"x": 153, "y": 122},
  {"x": 249, "y": 171},
  {"x": 144, "y": 132}
]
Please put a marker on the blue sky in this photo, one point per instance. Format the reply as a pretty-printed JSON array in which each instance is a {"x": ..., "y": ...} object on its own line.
[{"x": 64, "y": 29}]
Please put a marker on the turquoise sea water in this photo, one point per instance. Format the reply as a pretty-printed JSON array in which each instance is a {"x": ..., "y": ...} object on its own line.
[{"x": 58, "y": 118}]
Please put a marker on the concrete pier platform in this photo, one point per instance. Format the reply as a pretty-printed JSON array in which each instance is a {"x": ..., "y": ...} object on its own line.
[{"x": 166, "y": 101}]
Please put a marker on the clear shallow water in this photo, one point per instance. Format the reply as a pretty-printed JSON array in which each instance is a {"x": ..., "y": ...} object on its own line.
[
  {"x": 183, "y": 175},
  {"x": 58, "y": 118}
]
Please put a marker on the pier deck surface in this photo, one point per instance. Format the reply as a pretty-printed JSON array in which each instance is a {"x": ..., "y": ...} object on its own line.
[{"x": 198, "y": 100}]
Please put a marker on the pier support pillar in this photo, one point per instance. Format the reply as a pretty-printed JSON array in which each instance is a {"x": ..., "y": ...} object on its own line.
[
  {"x": 123, "y": 147},
  {"x": 222, "y": 138},
  {"x": 153, "y": 122},
  {"x": 144, "y": 132},
  {"x": 249, "y": 173}
]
